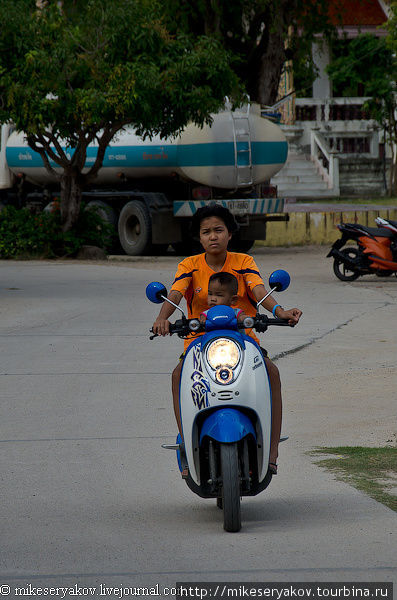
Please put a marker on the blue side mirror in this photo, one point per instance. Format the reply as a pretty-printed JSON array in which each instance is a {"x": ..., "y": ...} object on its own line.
[
  {"x": 154, "y": 291},
  {"x": 279, "y": 280}
]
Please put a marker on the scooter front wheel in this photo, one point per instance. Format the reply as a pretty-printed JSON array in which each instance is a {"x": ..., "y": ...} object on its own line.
[
  {"x": 230, "y": 487},
  {"x": 343, "y": 271}
]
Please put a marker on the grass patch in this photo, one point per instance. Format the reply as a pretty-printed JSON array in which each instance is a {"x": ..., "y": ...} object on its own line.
[{"x": 371, "y": 470}]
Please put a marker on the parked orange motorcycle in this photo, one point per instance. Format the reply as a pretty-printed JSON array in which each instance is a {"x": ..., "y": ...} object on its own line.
[{"x": 375, "y": 251}]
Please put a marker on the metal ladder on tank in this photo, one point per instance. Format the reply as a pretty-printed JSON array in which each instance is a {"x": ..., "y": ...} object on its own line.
[{"x": 242, "y": 148}]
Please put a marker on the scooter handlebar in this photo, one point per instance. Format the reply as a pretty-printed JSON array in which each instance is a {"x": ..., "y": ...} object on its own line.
[
  {"x": 182, "y": 327},
  {"x": 262, "y": 322}
]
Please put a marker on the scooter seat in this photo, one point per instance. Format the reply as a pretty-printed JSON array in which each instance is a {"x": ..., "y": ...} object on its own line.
[
  {"x": 375, "y": 231},
  {"x": 380, "y": 232}
]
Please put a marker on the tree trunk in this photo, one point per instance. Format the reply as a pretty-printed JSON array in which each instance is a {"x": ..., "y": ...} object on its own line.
[
  {"x": 269, "y": 72},
  {"x": 265, "y": 67},
  {"x": 71, "y": 192},
  {"x": 392, "y": 174}
]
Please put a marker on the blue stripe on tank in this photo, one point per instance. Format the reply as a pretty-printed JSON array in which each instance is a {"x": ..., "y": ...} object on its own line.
[
  {"x": 268, "y": 153},
  {"x": 186, "y": 155}
]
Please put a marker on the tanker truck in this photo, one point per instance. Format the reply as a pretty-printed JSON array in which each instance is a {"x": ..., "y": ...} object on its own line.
[{"x": 150, "y": 188}]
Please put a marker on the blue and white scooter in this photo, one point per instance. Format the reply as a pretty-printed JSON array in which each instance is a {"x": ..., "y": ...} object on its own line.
[{"x": 225, "y": 405}]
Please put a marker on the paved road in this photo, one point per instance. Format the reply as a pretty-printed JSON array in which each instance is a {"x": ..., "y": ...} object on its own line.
[{"x": 88, "y": 497}]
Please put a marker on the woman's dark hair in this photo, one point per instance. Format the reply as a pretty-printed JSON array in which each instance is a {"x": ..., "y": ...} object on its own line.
[{"x": 213, "y": 210}]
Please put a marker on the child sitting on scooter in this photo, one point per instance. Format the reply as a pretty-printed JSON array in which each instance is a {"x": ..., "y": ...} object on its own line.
[{"x": 222, "y": 289}]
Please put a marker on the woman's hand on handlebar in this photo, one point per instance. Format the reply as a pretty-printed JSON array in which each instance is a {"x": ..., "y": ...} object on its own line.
[
  {"x": 291, "y": 315},
  {"x": 161, "y": 327}
]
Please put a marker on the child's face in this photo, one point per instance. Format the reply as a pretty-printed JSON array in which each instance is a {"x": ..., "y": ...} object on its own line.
[{"x": 219, "y": 294}]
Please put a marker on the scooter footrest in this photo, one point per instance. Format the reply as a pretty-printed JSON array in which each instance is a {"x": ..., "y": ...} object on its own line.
[{"x": 171, "y": 446}]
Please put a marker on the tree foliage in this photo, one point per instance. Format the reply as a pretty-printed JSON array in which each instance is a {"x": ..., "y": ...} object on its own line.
[
  {"x": 75, "y": 73},
  {"x": 260, "y": 34},
  {"x": 367, "y": 63}
]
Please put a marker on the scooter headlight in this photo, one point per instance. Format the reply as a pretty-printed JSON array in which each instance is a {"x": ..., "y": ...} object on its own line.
[{"x": 223, "y": 355}]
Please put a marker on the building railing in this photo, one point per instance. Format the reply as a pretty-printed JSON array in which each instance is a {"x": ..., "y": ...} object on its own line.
[
  {"x": 346, "y": 125},
  {"x": 331, "y": 109},
  {"x": 350, "y": 145},
  {"x": 325, "y": 160},
  {"x": 294, "y": 109}
]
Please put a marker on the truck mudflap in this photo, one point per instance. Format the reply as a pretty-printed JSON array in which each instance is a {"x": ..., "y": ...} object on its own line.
[{"x": 243, "y": 206}]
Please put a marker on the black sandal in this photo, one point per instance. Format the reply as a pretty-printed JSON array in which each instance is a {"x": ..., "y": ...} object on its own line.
[{"x": 273, "y": 468}]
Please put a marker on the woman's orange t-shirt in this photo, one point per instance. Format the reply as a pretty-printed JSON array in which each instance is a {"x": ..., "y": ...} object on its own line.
[{"x": 193, "y": 274}]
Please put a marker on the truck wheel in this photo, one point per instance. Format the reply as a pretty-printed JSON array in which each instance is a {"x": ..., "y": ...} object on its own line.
[
  {"x": 106, "y": 212},
  {"x": 52, "y": 207},
  {"x": 230, "y": 487},
  {"x": 135, "y": 229},
  {"x": 109, "y": 217}
]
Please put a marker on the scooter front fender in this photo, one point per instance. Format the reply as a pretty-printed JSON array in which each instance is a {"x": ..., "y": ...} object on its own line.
[{"x": 227, "y": 425}]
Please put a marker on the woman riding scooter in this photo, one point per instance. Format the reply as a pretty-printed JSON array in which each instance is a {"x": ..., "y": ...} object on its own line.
[{"x": 215, "y": 225}]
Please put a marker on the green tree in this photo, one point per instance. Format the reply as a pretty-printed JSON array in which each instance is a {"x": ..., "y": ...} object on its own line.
[
  {"x": 370, "y": 63},
  {"x": 260, "y": 34},
  {"x": 75, "y": 73}
]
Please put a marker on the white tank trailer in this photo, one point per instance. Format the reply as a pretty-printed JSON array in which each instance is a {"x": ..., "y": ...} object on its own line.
[{"x": 149, "y": 189}]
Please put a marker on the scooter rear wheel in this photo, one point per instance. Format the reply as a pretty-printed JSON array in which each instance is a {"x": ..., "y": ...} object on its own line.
[
  {"x": 230, "y": 487},
  {"x": 343, "y": 271}
]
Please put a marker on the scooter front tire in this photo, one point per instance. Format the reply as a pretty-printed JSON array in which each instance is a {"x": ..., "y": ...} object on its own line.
[{"x": 230, "y": 487}]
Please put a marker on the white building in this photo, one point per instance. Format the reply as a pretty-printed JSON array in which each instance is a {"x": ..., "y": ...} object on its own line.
[{"x": 334, "y": 148}]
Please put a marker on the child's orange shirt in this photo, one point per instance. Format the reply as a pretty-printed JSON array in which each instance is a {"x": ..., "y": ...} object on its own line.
[{"x": 193, "y": 275}]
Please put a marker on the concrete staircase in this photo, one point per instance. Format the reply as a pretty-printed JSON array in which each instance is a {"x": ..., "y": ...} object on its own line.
[{"x": 299, "y": 178}]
